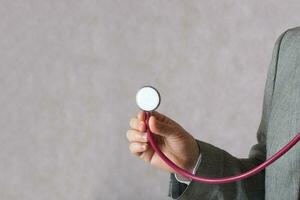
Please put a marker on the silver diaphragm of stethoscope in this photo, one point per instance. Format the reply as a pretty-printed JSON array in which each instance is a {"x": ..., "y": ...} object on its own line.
[{"x": 148, "y": 98}]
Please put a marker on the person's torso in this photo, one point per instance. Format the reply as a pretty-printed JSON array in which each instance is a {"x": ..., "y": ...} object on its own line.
[{"x": 283, "y": 177}]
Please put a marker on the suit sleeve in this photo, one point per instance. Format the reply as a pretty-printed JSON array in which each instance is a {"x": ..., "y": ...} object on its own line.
[{"x": 218, "y": 163}]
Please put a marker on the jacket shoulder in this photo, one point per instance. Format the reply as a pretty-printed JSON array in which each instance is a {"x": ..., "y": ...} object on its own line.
[
  {"x": 294, "y": 31},
  {"x": 291, "y": 37}
]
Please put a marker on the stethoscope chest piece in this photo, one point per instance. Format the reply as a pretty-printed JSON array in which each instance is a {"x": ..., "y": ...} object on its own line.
[{"x": 148, "y": 98}]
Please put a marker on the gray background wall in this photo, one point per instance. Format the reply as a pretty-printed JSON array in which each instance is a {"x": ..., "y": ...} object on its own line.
[{"x": 69, "y": 73}]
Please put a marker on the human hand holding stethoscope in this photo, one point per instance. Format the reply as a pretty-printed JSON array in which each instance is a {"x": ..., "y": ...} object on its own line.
[
  {"x": 148, "y": 99},
  {"x": 175, "y": 142}
]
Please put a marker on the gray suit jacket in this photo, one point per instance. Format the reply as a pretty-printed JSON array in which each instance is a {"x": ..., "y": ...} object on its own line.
[{"x": 279, "y": 124}]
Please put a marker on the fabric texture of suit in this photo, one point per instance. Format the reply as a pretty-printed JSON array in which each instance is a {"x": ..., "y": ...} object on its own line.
[{"x": 279, "y": 124}]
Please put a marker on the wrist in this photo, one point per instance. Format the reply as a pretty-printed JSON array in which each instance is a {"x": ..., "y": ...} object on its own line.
[
  {"x": 191, "y": 164},
  {"x": 185, "y": 180}
]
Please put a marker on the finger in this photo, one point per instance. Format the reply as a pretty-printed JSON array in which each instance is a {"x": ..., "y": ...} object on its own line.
[
  {"x": 147, "y": 155},
  {"x": 159, "y": 127},
  {"x": 138, "y": 147},
  {"x": 136, "y": 136},
  {"x": 141, "y": 116},
  {"x": 136, "y": 124},
  {"x": 162, "y": 118}
]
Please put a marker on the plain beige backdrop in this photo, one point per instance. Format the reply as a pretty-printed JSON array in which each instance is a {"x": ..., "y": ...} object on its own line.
[{"x": 69, "y": 73}]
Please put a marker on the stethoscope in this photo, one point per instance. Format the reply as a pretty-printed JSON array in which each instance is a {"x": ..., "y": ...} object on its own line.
[{"x": 148, "y": 100}]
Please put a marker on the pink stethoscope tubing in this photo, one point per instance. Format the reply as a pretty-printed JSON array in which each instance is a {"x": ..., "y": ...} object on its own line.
[{"x": 223, "y": 180}]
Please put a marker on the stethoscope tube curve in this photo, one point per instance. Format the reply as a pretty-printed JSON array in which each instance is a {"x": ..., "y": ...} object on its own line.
[{"x": 222, "y": 180}]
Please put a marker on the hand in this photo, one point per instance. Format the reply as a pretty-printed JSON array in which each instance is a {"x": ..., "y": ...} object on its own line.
[{"x": 176, "y": 143}]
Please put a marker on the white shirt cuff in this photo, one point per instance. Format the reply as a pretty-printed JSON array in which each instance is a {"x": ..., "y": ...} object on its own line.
[{"x": 186, "y": 180}]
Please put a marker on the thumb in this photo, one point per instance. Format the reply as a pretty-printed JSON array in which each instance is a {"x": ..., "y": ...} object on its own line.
[{"x": 160, "y": 128}]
